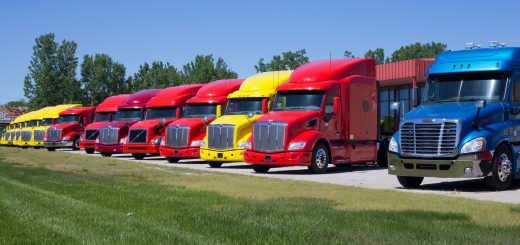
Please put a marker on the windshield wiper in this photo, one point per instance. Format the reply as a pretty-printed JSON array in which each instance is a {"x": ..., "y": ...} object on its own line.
[
  {"x": 469, "y": 99},
  {"x": 440, "y": 101}
]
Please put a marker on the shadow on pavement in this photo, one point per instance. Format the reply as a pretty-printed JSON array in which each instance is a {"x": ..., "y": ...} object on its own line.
[
  {"x": 467, "y": 185},
  {"x": 331, "y": 170}
]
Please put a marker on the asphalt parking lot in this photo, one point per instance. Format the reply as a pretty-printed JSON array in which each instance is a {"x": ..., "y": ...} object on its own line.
[{"x": 359, "y": 176}]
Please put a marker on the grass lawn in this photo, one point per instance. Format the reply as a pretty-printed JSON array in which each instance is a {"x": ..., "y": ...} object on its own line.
[{"x": 64, "y": 198}]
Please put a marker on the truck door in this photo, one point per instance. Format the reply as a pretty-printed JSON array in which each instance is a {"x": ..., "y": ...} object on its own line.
[
  {"x": 514, "y": 117},
  {"x": 332, "y": 125}
]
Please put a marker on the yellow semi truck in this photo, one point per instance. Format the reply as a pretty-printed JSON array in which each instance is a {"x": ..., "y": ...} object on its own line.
[
  {"x": 227, "y": 136},
  {"x": 29, "y": 121},
  {"x": 5, "y": 135},
  {"x": 19, "y": 123}
]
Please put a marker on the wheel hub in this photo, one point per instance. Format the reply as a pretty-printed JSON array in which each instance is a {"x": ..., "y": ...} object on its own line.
[
  {"x": 321, "y": 158},
  {"x": 504, "y": 167}
]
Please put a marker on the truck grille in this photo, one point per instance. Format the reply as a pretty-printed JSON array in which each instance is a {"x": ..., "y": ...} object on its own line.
[
  {"x": 138, "y": 136},
  {"x": 91, "y": 134},
  {"x": 269, "y": 136},
  {"x": 109, "y": 136},
  {"x": 18, "y": 135},
  {"x": 12, "y": 135},
  {"x": 39, "y": 135},
  {"x": 220, "y": 136},
  {"x": 429, "y": 139},
  {"x": 177, "y": 136},
  {"x": 53, "y": 134},
  {"x": 26, "y": 136}
]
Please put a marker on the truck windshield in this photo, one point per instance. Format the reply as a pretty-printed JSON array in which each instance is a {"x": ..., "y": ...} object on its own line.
[
  {"x": 102, "y": 117},
  {"x": 154, "y": 113},
  {"x": 298, "y": 101},
  {"x": 128, "y": 115},
  {"x": 68, "y": 119},
  {"x": 465, "y": 87},
  {"x": 46, "y": 122},
  {"x": 244, "y": 106},
  {"x": 200, "y": 110},
  {"x": 32, "y": 123}
]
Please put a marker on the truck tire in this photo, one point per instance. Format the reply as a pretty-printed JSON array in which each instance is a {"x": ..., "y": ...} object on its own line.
[
  {"x": 382, "y": 153},
  {"x": 502, "y": 173},
  {"x": 138, "y": 156},
  {"x": 90, "y": 150},
  {"x": 320, "y": 159},
  {"x": 410, "y": 182},
  {"x": 106, "y": 154},
  {"x": 261, "y": 168},
  {"x": 51, "y": 149},
  {"x": 172, "y": 159},
  {"x": 215, "y": 164},
  {"x": 75, "y": 144}
]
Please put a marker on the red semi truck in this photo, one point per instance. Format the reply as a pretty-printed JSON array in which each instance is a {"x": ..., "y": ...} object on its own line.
[
  {"x": 113, "y": 134},
  {"x": 67, "y": 131},
  {"x": 183, "y": 137},
  {"x": 325, "y": 114},
  {"x": 144, "y": 137},
  {"x": 104, "y": 113}
]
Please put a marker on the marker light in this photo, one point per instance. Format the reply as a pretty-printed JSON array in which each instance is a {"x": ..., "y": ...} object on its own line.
[
  {"x": 469, "y": 45},
  {"x": 493, "y": 44}
]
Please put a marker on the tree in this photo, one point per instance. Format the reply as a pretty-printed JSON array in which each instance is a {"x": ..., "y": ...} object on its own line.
[
  {"x": 348, "y": 54},
  {"x": 52, "y": 69},
  {"x": 17, "y": 103},
  {"x": 378, "y": 54},
  {"x": 418, "y": 50},
  {"x": 287, "y": 61},
  {"x": 204, "y": 69},
  {"x": 158, "y": 75},
  {"x": 101, "y": 77}
]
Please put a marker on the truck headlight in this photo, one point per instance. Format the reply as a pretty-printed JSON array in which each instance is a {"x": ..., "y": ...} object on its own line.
[
  {"x": 203, "y": 143},
  {"x": 474, "y": 145},
  {"x": 97, "y": 140},
  {"x": 66, "y": 138},
  {"x": 296, "y": 145},
  {"x": 196, "y": 143},
  {"x": 392, "y": 146},
  {"x": 244, "y": 144},
  {"x": 163, "y": 142},
  {"x": 157, "y": 141},
  {"x": 122, "y": 141}
]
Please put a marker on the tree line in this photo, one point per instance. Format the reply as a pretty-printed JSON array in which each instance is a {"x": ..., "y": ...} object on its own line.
[{"x": 52, "y": 77}]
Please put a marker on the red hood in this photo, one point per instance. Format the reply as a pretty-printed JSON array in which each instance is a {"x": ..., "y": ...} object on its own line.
[
  {"x": 67, "y": 128},
  {"x": 118, "y": 124},
  {"x": 197, "y": 127},
  {"x": 64, "y": 126},
  {"x": 297, "y": 121},
  {"x": 147, "y": 124},
  {"x": 96, "y": 125}
]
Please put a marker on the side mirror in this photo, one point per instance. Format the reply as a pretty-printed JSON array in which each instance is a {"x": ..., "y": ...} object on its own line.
[
  {"x": 205, "y": 119},
  {"x": 265, "y": 106},
  {"x": 218, "y": 112},
  {"x": 395, "y": 106},
  {"x": 336, "y": 105},
  {"x": 85, "y": 121},
  {"x": 250, "y": 115},
  {"x": 480, "y": 104},
  {"x": 179, "y": 112}
]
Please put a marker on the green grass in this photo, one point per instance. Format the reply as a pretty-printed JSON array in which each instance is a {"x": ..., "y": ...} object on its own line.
[{"x": 63, "y": 198}]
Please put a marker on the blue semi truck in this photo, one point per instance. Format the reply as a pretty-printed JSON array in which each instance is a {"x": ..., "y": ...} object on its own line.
[{"x": 468, "y": 122}]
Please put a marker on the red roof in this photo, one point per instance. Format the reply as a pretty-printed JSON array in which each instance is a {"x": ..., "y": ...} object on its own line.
[
  {"x": 403, "y": 72},
  {"x": 12, "y": 111}
]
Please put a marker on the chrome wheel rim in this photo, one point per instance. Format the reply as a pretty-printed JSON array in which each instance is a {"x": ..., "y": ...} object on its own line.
[
  {"x": 504, "y": 167},
  {"x": 321, "y": 158}
]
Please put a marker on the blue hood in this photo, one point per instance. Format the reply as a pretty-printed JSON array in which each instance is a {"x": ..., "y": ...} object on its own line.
[{"x": 464, "y": 111}]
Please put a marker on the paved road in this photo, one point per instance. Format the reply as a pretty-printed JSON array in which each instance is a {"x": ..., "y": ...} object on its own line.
[{"x": 361, "y": 176}]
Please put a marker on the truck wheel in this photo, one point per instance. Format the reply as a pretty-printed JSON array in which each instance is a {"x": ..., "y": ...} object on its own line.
[
  {"x": 75, "y": 144},
  {"x": 501, "y": 175},
  {"x": 172, "y": 159},
  {"x": 90, "y": 150},
  {"x": 51, "y": 149},
  {"x": 410, "y": 182},
  {"x": 261, "y": 168},
  {"x": 106, "y": 154},
  {"x": 215, "y": 164},
  {"x": 320, "y": 159},
  {"x": 138, "y": 156}
]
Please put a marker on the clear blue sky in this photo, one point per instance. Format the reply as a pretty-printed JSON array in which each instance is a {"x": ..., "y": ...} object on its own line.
[{"x": 241, "y": 32}]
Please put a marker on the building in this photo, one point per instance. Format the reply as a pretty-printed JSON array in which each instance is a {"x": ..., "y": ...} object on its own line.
[
  {"x": 401, "y": 81},
  {"x": 9, "y": 113}
]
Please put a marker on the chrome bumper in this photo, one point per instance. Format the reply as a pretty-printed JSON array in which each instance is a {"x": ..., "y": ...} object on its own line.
[{"x": 60, "y": 144}]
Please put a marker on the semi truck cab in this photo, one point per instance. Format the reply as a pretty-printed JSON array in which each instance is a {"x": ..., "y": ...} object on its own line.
[
  {"x": 49, "y": 116},
  {"x": 145, "y": 137},
  {"x": 227, "y": 136},
  {"x": 112, "y": 135},
  {"x": 105, "y": 112},
  {"x": 184, "y": 136},
  {"x": 326, "y": 114},
  {"x": 67, "y": 131},
  {"x": 27, "y": 136},
  {"x": 468, "y": 124}
]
